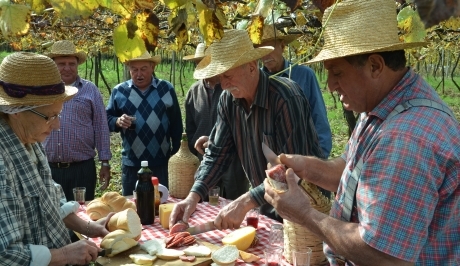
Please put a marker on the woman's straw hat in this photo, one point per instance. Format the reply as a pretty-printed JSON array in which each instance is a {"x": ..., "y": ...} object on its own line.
[
  {"x": 361, "y": 27},
  {"x": 233, "y": 50},
  {"x": 31, "y": 79},
  {"x": 270, "y": 34},
  {"x": 145, "y": 57},
  {"x": 199, "y": 53},
  {"x": 66, "y": 48}
]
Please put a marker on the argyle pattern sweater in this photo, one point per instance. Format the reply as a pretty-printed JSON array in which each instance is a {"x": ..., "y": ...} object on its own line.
[{"x": 158, "y": 122}]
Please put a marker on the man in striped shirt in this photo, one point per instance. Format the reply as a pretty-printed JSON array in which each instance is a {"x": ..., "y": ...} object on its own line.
[
  {"x": 71, "y": 149},
  {"x": 252, "y": 109}
]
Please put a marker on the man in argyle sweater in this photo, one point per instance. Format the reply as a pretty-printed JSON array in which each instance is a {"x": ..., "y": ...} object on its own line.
[{"x": 158, "y": 125}]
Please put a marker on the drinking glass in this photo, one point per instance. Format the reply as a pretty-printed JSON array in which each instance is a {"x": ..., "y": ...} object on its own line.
[
  {"x": 214, "y": 196},
  {"x": 79, "y": 195},
  {"x": 252, "y": 218},
  {"x": 301, "y": 257},
  {"x": 273, "y": 256},
  {"x": 133, "y": 123},
  {"x": 276, "y": 237}
]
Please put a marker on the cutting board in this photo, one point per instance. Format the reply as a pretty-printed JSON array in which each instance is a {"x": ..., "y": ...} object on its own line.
[{"x": 123, "y": 258}]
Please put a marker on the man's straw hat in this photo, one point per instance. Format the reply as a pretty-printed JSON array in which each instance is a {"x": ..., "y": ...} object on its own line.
[
  {"x": 66, "y": 48},
  {"x": 361, "y": 27},
  {"x": 199, "y": 53},
  {"x": 270, "y": 34},
  {"x": 145, "y": 57},
  {"x": 233, "y": 50},
  {"x": 31, "y": 79}
]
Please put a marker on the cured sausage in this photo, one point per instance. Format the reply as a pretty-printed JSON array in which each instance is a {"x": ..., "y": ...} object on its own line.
[{"x": 278, "y": 173}]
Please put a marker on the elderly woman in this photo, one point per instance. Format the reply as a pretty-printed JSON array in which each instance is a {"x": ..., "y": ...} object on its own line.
[{"x": 34, "y": 217}]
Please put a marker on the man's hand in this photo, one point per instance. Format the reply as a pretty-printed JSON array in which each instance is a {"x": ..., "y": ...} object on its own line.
[
  {"x": 123, "y": 121},
  {"x": 81, "y": 252},
  {"x": 201, "y": 144},
  {"x": 231, "y": 216},
  {"x": 184, "y": 209},
  {"x": 99, "y": 227},
  {"x": 291, "y": 204},
  {"x": 104, "y": 177}
]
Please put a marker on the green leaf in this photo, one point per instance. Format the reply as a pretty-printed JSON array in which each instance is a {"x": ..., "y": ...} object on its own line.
[
  {"x": 127, "y": 41},
  {"x": 14, "y": 19},
  {"x": 411, "y": 26},
  {"x": 124, "y": 8},
  {"x": 74, "y": 9}
]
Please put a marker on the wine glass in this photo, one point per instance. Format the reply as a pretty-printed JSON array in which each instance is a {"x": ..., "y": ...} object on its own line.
[{"x": 79, "y": 196}]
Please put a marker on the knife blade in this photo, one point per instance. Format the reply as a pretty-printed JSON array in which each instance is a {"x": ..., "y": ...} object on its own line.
[
  {"x": 104, "y": 252},
  {"x": 201, "y": 228},
  {"x": 271, "y": 156}
]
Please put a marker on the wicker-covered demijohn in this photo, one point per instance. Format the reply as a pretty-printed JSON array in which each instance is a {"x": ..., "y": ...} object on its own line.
[
  {"x": 181, "y": 170},
  {"x": 297, "y": 237}
]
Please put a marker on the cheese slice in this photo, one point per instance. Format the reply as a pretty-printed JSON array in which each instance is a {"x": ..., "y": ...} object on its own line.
[
  {"x": 165, "y": 212},
  {"x": 241, "y": 238}
]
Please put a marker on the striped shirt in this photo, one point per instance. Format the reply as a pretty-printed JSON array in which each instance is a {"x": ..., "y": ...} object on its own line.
[
  {"x": 279, "y": 117},
  {"x": 83, "y": 128},
  {"x": 408, "y": 193}
]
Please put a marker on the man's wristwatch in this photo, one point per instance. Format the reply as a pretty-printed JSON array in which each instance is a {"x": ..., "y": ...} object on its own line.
[{"x": 105, "y": 164}]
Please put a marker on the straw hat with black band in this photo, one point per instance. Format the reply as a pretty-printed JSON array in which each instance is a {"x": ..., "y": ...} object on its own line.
[
  {"x": 233, "y": 50},
  {"x": 28, "y": 79},
  {"x": 156, "y": 59},
  {"x": 66, "y": 48},
  {"x": 199, "y": 53},
  {"x": 271, "y": 34},
  {"x": 360, "y": 27}
]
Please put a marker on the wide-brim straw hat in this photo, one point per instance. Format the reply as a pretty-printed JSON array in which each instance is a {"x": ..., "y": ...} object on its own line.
[
  {"x": 271, "y": 34},
  {"x": 156, "y": 59},
  {"x": 28, "y": 79},
  {"x": 361, "y": 27},
  {"x": 66, "y": 48},
  {"x": 199, "y": 53},
  {"x": 233, "y": 50}
]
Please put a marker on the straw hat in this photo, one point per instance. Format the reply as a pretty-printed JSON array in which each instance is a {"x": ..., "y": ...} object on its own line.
[
  {"x": 146, "y": 57},
  {"x": 31, "y": 79},
  {"x": 66, "y": 48},
  {"x": 199, "y": 53},
  {"x": 270, "y": 34},
  {"x": 233, "y": 50},
  {"x": 361, "y": 27}
]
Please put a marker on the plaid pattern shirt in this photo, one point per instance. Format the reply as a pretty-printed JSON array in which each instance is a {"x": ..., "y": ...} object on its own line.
[
  {"x": 408, "y": 194},
  {"x": 279, "y": 117},
  {"x": 29, "y": 201}
]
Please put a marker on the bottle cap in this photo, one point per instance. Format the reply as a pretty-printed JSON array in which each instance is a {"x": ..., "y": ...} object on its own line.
[
  {"x": 155, "y": 181},
  {"x": 144, "y": 163}
]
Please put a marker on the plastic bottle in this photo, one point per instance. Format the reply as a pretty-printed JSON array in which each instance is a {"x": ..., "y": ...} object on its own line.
[
  {"x": 155, "y": 183},
  {"x": 145, "y": 202}
]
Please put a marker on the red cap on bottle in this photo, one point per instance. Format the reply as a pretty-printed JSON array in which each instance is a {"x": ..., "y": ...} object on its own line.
[{"x": 155, "y": 181}]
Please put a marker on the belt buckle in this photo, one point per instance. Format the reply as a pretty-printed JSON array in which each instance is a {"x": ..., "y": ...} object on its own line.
[{"x": 63, "y": 165}]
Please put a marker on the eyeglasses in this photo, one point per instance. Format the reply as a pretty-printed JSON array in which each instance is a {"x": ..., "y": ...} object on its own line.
[{"x": 48, "y": 119}]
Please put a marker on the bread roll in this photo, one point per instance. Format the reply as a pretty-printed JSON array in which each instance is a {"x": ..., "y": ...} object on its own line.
[
  {"x": 109, "y": 202},
  {"x": 127, "y": 220},
  {"x": 118, "y": 241}
]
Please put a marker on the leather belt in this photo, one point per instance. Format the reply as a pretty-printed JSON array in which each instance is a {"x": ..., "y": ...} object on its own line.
[{"x": 66, "y": 164}]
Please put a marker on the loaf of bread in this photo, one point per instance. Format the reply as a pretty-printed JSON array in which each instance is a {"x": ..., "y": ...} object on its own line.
[
  {"x": 125, "y": 229},
  {"x": 109, "y": 202}
]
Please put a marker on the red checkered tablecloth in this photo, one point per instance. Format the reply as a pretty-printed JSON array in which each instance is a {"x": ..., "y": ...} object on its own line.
[{"x": 204, "y": 213}]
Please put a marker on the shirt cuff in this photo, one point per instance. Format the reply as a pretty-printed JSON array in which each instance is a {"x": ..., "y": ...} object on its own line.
[
  {"x": 68, "y": 208},
  {"x": 41, "y": 255}
]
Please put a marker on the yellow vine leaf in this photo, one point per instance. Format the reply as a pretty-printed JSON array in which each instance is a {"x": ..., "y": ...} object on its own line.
[
  {"x": 255, "y": 29},
  {"x": 148, "y": 24},
  {"x": 37, "y": 5},
  {"x": 179, "y": 19},
  {"x": 14, "y": 19},
  {"x": 125, "y": 8},
  {"x": 243, "y": 9},
  {"x": 452, "y": 23},
  {"x": 145, "y": 4},
  {"x": 74, "y": 9},
  {"x": 209, "y": 24},
  {"x": 181, "y": 37},
  {"x": 173, "y": 4},
  {"x": 411, "y": 25},
  {"x": 127, "y": 41}
]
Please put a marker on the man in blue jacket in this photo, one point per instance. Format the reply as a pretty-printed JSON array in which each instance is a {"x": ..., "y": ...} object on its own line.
[
  {"x": 157, "y": 132},
  {"x": 274, "y": 62}
]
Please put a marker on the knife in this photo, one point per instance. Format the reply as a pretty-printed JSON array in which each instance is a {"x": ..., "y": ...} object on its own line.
[
  {"x": 104, "y": 252},
  {"x": 271, "y": 156},
  {"x": 201, "y": 228}
]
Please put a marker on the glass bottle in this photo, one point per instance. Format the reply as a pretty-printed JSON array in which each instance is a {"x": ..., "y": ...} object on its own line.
[
  {"x": 155, "y": 183},
  {"x": 145, "y": 195}
]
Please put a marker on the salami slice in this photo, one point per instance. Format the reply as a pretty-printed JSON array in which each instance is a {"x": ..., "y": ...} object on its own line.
[
  {"x": 278, "y": 173},
  {"x": 178, "y": 227}
]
